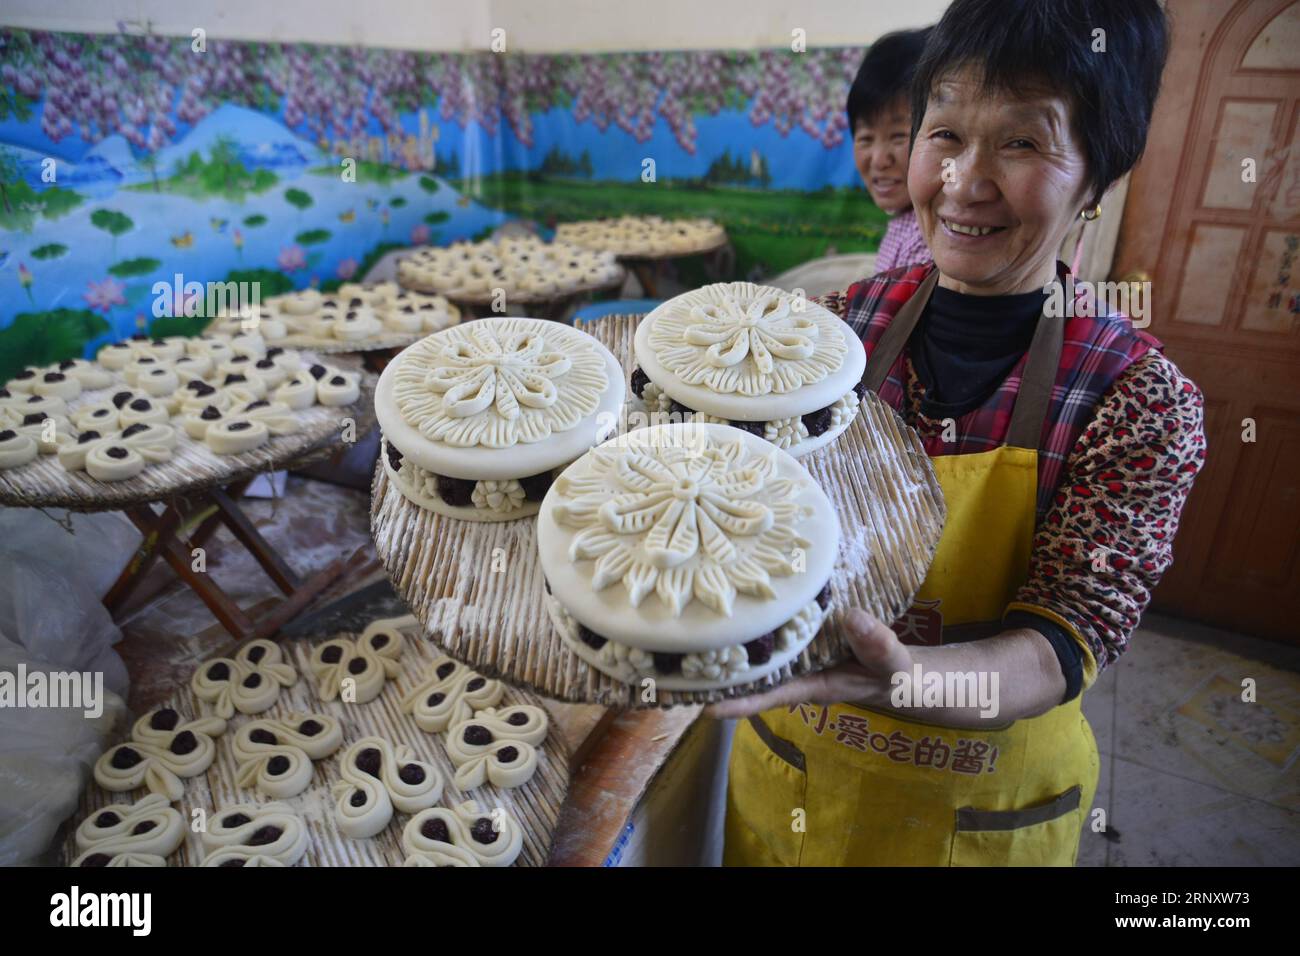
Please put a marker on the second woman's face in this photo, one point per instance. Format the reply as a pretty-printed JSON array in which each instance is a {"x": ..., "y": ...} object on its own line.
[
  {"x": 996, "y": 182},
  {"x": 880, "y": 153}
]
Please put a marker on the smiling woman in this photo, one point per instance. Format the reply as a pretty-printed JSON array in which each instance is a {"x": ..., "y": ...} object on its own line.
[
  {"x": 880, "y": 117},
  {"x": 1065, "y": 445}
]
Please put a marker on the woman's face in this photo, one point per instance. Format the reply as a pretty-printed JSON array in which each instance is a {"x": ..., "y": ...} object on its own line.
[
  {"x": 880, "y": 153},
  {"x": 996, "y": 182}
]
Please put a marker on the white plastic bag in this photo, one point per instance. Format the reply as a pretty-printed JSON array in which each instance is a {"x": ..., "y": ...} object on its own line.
[{"x": 52, "y": 619}]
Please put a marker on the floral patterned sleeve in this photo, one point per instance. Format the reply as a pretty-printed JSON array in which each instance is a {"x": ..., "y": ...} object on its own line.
[
  {"x": 1108, "y": 537},
  {"x": 837, "y": 302}
]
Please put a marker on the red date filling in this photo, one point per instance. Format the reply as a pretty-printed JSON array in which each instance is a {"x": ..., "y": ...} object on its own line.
[{"x": 816, "y": 422}]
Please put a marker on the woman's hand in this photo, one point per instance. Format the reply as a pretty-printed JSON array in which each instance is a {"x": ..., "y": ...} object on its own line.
[
  {"x": 1015, "y": 674},
  {"x": 878, "y": 655}
]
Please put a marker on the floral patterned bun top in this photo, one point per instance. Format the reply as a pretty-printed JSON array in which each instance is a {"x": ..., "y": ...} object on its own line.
[
  {"x": 693, "y": 554},
  {"x": 758, "y": 358},
  {"x": 477, "y": 418}
]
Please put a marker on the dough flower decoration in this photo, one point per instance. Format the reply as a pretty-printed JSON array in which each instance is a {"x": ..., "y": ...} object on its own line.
[
  {"x": 483, "y": 368},
  {"x": 746, "y": 339},
  {"x": 499, "y": 496},
  {"x": 376, "y": 778},
  {"x": 275, "y": 755},
  {"x": 132, "y": 834},
  {"x": 499, "y": 383},
  {"x": 497, "y": 747},
  {"x": 249, "y": 683},
  {"x": 449, "y": 694},
  {"x": 369, "y": 660},
  {"x": 253, "y": 834},
  {"x": 162, "y": 751},
  {"x": 462, "y": 836},
  {"x": 700, "y": 523},
  {"x": 784, "y": 432},
  {"x": 763, "y": 328},
  {"x": 720, "y": 663}
]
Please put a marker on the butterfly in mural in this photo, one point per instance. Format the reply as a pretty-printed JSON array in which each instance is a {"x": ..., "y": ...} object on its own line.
[
  {"x": 372, "y": 204},
  {"x": 462, "y": 201},
  {"x": 349, "y": 215},
  {"x": 219, "y": 225},
  {"x": 184, "y": 241}
]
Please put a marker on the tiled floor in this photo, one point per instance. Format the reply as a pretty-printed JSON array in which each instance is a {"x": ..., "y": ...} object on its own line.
[{"x": 1189, "y": 773}]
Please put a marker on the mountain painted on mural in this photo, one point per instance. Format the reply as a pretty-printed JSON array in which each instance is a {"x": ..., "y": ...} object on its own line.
[
  {"x": 236, "y": 197},
  {"x": 263, "y": 141},
  {"x": 260, "y": 142}
]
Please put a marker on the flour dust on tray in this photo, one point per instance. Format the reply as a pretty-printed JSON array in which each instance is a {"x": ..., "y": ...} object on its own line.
[{"x": 697, "y": 555}]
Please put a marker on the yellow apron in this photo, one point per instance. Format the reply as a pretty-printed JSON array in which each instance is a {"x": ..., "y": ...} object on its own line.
[{"x": 837, "y": 785}]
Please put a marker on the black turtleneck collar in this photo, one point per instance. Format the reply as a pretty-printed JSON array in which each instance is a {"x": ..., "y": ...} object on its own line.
[{"x": 965, "y": 346}]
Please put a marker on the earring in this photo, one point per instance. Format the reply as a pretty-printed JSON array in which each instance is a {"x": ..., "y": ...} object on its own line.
[{"x": 1091, "y": 214}]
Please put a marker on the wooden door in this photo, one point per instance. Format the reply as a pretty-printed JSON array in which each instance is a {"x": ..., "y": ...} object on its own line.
[{"x": 1223, "y": 256}]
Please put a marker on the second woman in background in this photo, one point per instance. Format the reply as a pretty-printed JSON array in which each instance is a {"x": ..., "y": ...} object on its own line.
[{"x": 880, "y": 116}]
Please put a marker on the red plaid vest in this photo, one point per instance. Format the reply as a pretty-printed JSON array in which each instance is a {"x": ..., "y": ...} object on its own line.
[{"x": 1095, "y": 353}]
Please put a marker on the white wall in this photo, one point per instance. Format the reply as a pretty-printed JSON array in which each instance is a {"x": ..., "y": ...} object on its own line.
[{"x": 531, "y": 25}]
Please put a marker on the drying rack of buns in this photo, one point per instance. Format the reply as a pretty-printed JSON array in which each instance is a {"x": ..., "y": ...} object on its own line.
[
  {"x": 355, "y": 317},
  {"x": 152, "y": 418}
]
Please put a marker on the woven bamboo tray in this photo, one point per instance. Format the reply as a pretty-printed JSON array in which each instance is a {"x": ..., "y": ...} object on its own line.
[
  {"x": 536, "y": 805},
  {"x": 634, "y": 257},
  {"x": 44, "y": 483},
  {"x": 877, "y": 475},
  {"x": 517, "y": 298},
  {"x": 376, "y": 343}
]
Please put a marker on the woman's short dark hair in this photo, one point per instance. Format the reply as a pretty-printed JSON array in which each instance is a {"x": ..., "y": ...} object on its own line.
[
  {"x": 1018, "y": 44},
  {"x": 885, "y": 74}
]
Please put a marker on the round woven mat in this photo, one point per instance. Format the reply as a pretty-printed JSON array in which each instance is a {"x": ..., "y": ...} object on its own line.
[
  {"x": 674, "y": 254},
  {"x": 536, "y": 805},
  {"x": 477, "y": 586},
  {"x": 518, "y": 298}
]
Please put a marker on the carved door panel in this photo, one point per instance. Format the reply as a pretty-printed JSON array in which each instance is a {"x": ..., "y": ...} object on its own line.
[{"x": 1213, "y": 218}]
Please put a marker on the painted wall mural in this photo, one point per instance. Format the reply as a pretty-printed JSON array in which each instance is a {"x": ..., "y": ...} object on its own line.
[{"x": 127, "y": 160}]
